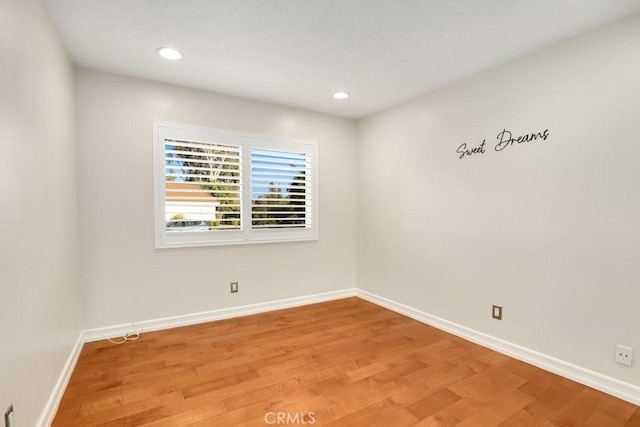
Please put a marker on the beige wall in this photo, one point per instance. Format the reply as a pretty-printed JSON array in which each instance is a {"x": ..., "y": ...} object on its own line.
[
  {"x": 549, "y": 229},
  {"x": 124, "y": 278},
  {"x": 39, "y": 294}
]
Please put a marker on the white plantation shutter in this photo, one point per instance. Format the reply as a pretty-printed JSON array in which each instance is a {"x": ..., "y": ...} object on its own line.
[
  {"x": 203, "y": 182},
  {"x": 215, "y": 187},
  {"x": 281, "y": 189}
]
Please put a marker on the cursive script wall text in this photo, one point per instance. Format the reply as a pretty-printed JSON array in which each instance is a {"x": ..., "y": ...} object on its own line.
[{"x": 505, "y": 139}]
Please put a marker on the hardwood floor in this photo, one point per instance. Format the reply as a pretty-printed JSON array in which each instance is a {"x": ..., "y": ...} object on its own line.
[{"x": 339, "y": 363}]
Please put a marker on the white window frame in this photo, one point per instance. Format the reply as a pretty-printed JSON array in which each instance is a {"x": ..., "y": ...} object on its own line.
[{"x": 163, "y": 131}]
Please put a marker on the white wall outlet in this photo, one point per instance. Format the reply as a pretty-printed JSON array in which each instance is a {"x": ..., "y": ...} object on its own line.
[
  {"x": 234, "y": 287},
  {"x": 624, "y": 355},
  {"x": 496, "y": 312}
]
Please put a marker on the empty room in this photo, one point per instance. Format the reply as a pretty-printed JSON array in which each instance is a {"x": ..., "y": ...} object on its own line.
[{"x": 301, "y": 212}]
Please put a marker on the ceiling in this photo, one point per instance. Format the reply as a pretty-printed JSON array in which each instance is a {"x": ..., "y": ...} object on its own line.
[{"x": 299, "y": 52}]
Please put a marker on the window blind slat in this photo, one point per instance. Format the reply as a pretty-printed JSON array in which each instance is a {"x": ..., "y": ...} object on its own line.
[
  {"x": 201, "y": 144},
  {"x": 259, "y": 169},
  {"x": 263, "y": 227},
  {"x": 189, "y": 176},
  {"x": 216, "y": 151}
]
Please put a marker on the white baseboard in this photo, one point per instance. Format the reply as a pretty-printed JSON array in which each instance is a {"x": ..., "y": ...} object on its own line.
[
  {"x": 49, "y": 411},
  {"x": 606, "y": 384},
  {"x": 210, "y": 316}
]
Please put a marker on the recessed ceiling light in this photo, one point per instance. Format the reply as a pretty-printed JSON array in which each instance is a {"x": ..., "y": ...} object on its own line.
[
  {"x": 341, "y": 95},
  {"x": 169, "y": 53}
]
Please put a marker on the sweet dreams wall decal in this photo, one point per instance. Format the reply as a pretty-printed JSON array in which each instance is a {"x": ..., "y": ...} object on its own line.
[{"x": 505, "y": 139}]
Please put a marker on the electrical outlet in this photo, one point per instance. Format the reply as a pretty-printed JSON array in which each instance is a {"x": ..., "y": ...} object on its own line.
[
  {"x": 496, "y": 312},
  {"x": 8, "y": 417},
  {"x": 234, "y": 287},
  {"x": 624, "y": 355}
]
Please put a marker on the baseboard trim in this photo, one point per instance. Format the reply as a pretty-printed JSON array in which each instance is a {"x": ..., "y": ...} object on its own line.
[
  {"x": 612, "y": 386},
  {"x": 51, "y": 407},
  {"x": 98, "y": 334}
]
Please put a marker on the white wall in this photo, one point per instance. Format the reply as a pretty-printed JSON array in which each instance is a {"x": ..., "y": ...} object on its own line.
[
  {"x": 549, "y": 229},
  {"x": 124, "y": 278},
  {"x": 39, "y": 294}
]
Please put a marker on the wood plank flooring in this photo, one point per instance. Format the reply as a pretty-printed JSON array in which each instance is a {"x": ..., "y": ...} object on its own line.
[{"x": 340, "y": 363}]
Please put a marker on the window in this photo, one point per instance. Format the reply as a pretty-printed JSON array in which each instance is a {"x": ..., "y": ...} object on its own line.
[{"x": 216, "y": 187}]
